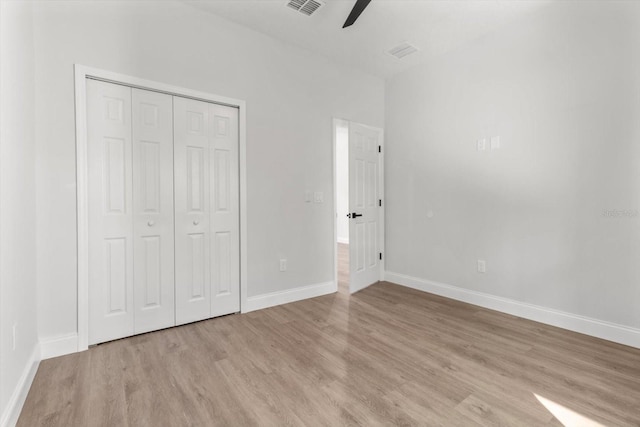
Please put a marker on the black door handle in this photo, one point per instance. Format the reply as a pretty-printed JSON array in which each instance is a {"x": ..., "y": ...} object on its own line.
[{"x": 355, "y": 215}]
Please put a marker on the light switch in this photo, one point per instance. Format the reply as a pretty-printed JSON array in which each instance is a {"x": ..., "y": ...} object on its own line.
[
  {"x": 482, "y": 144},
  {"x": 495, "y": 142},
  {"x": 307, "y": 196},
  {"x": 318, "y": 197}
]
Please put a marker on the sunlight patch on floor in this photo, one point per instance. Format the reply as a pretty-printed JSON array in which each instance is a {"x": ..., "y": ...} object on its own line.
[{"x": 566, "y": 416}]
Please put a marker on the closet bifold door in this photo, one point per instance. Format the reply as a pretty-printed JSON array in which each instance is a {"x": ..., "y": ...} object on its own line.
[
  {"x": 130, "y": 181},
  {"x": 207, "y": 210},
  {"x": 110, "y": 203},
  {"x": 164, "y": 235},
  {"x": 153, "y": 247},
  {"x": 225, "y": 210},
  {"x": 191, "y": 162}
]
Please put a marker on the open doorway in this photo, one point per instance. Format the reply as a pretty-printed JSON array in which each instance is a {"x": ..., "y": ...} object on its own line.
[
  {"x": 342, "y": 203},
  {"x": 359, "y": 207}
]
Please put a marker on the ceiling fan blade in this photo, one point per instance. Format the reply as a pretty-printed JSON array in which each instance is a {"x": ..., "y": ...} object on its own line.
[{"x": 355, "y": 12}]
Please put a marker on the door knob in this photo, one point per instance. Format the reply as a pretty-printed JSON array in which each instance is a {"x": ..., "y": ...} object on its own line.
[
  {"x": 354, "y": 215},
  {"x": 196, "y": 222},
  {"x": 150, "y": 223}
]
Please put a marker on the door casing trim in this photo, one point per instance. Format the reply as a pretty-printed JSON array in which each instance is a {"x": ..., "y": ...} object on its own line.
[{"x": 381, "y": 266}]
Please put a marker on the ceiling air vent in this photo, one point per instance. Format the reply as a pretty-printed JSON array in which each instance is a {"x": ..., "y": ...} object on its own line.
[
  {"x": 307, "y": 7},
  {"x": 402, "y": 50}
]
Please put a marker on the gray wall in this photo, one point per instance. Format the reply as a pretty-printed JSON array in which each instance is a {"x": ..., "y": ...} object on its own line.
[
  {"x": 562, "y": 90},
  {"x": 17, "y": 198}
]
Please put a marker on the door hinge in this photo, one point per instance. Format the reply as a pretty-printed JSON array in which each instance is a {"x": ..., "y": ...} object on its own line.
[
  {"x": 380, "y": 255},
  {"x": 379, "y": 202},
  {"x": 379, "y": 148}
]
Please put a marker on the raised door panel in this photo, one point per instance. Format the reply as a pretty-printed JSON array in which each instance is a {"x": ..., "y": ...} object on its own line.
[
  {"x": 371, "y": 184},
  {"x": 195, "y": 180},
  {"x": 371, "y": 247},
  {"x": 151, "y": 172},
  {"x": 192, "y": 209},
  {"x": 196, "y": 268},
  {"x": 114, "y": 175},
  {"x": 154, "y": 280},
  {"x": 371, "y": 202},
  {"x": 115, "y": 291},
  {"x": 359, "y": 184},
  {"x": 225, "y": 210},
  {"x": 359, "y": 247},
  {"x": 149, "y": 289},
  {"x": 110, "y": 205},
  {"x": 222, "y": 180},
  {"x": 222, "y": 263}
]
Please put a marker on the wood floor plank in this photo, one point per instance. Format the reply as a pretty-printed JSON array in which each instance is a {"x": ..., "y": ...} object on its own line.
[{"x": 386, "y": 355}]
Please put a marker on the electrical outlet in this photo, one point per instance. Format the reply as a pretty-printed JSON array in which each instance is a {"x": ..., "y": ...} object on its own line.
[
  {"x": 13, "y": 340},
  {"x": 283, "y": 264},
  {"x": 482, "y": 266},
  {"x": 482, "y": 144}
]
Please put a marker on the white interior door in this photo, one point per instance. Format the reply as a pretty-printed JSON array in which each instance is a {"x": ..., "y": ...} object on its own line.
[
  {"x": 191, "y": 157},
  {"x": 206, "y": 210},
  {"x": 110, "y": 203},
  {"x": 225, "y": 211},
  {"x": 153, "y": 247},
  {"x": 364, "y": 226}
]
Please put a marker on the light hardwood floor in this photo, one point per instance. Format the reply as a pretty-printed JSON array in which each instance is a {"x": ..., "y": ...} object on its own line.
[
  {"x": 387, "y": 355},
  {"x": 343, "y": 268}
]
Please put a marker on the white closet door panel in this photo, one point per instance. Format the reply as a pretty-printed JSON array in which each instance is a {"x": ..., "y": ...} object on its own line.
[
  {"x": 109, "y": 148},
  {"x": 225, "y": 210},
  {"x": 153, "y": 210},
  {"x": 192, "y": 227}
]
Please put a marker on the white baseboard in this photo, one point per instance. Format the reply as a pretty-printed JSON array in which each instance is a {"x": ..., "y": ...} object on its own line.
[
  {"x": 344, "y": 240},
  {"x": 259, "y": 302},
  {"x": 16, "y": 401},
  {"x": 597, "y": 328},
  {"x": 58, "y": 346}
]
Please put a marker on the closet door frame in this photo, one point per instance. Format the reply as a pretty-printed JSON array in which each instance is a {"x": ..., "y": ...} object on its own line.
[{"x": 82, "y": 74}]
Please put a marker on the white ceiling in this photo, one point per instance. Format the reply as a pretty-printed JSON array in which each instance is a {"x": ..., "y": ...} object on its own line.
[{"x": 434, "y": 26}]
